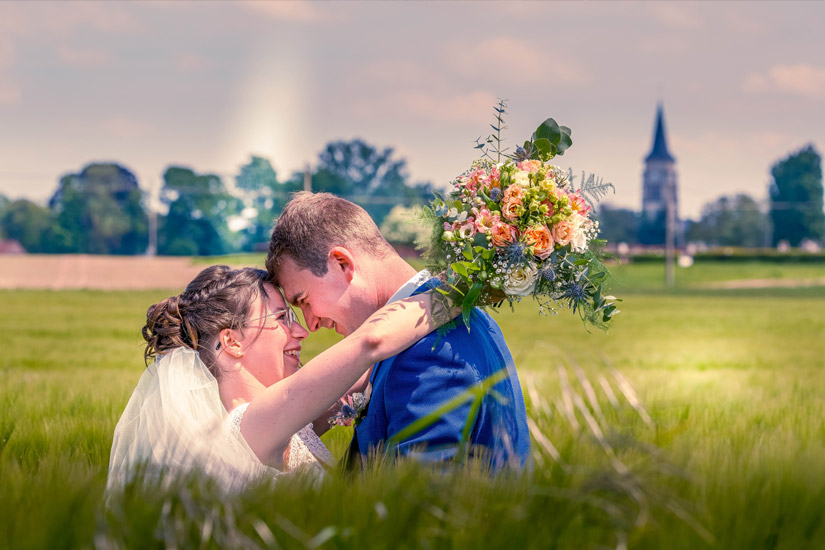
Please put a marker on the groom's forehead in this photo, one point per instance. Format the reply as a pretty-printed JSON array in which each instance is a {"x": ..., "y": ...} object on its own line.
[{"x": 293, "y": 279}]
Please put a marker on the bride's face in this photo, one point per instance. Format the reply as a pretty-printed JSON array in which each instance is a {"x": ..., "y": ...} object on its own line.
[{"x": 272, "y": 339}]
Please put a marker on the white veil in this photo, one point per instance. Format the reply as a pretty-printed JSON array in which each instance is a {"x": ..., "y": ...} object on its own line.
[{"x": 175, "y": 422}]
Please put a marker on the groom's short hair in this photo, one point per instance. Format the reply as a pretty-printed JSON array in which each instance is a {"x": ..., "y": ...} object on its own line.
[{"x": 313, "y": 223}]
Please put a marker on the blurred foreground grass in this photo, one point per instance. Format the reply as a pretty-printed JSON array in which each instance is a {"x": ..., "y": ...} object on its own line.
[{"x": 732, "y": 381}]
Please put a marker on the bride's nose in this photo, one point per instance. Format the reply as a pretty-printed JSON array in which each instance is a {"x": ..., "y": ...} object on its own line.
[{"x": 298, "y": 331}]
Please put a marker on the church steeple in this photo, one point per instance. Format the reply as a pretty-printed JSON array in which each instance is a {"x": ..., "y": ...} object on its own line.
[
  {"x": 660, "y": 191},
  {"x": 660, "y": 151}
]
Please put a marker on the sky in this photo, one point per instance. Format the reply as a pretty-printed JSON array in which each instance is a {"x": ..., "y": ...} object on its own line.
[{"x": 207, "y": 84}]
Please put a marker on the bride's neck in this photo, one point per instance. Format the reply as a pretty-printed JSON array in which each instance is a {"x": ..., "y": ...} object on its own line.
[{"x": 238, "y": 387}]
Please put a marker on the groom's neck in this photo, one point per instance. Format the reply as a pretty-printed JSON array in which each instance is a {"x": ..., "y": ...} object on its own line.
[{"x": 390, "y": 274}]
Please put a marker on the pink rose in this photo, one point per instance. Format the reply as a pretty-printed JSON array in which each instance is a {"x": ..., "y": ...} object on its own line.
[
  {"x": 531, "y": 166},
  {"x": 563, "y": 232}
]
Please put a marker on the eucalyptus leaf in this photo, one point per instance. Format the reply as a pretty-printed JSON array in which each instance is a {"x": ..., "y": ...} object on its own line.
[
  {"x": 565, "y": 140},
  {"x": 544, "y": 145},
  {"x": 479, "y": 241},
  {"x": 549, "y": 129}
]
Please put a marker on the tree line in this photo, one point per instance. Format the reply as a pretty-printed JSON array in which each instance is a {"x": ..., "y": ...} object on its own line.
[
  {"x": 103, "y": 210},
  {"x": 794, "y": 211}
]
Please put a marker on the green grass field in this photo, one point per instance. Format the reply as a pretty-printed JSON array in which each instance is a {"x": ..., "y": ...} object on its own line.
[{"x": 733, "y": 457}]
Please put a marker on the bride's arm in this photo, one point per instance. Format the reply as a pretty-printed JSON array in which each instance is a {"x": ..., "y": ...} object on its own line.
[{"x": 287, "y": 406}]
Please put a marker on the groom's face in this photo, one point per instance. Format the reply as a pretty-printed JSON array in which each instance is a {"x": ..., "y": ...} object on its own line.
[{"x": 330, "y": 301}]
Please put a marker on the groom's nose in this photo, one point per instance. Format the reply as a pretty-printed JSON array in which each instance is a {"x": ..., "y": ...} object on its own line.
[{"x": 313, "y": 323}]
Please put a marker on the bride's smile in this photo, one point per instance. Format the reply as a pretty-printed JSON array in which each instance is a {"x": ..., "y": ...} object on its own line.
[{"x": 269, "y": 346}]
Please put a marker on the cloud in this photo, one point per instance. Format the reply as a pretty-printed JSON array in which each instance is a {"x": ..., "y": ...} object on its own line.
[
  {"x": 398, "y": 73},
  {"x": 675, "y": 16},
  {"x": 710, "y": 144},
  {"x": 12, "y": 18},
  {"x": 7, "y": 53},
  {"x": 10, "y": 94},
  {"x": 742, "y": 21},
  {"x": 305, "y": 12},
  {"x": 800, "y": 80},
  {"x": 426, "y": 106},
  {"x": 106, "y": 17},
  {"x": 526, "y": 63},
  {"x": 126, "y": 127},
  {"x": 191, "y": 62},
  {"x": 665, "y": 43},
  {"x": 84, "y": 57}
]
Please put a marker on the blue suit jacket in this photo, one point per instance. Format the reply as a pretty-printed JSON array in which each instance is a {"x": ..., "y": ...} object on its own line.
[{"x": 412, "y": 384}]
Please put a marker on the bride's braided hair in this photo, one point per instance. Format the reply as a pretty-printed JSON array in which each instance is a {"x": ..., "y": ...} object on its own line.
[{"x": 218, "y": 298}]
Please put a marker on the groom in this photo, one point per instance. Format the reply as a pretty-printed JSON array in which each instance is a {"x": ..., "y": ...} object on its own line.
[{"x": 331, "y": 261}]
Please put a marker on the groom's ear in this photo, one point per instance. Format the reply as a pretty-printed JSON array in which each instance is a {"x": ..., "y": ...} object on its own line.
[{"x": 342, "y": 259}]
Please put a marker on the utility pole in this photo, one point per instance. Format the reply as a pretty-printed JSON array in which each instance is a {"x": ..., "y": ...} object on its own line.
[
  {"x": 152, "y": 249},
  {"x": 307, "y": 179},
  {"x": 670, "y": 233}
]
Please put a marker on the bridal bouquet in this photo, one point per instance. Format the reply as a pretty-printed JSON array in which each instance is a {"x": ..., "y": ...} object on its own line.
[{"x": 517, "y": 225}]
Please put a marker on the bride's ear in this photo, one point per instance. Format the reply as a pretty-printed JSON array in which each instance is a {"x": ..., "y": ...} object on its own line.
[
  {"x": 228, "y": 343},
  {"x": 342, "y": 260}
]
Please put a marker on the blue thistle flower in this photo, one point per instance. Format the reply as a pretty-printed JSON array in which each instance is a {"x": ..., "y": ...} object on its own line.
[
  {"x": 515, "y": 253},
  {"x": 347, "y": 410},
  {"x": 548, "y": 273},
  {"x": 495, "y": 194},
  {"x": 576, "y": 292}
]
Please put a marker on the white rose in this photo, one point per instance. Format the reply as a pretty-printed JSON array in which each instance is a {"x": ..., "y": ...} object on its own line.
[
  {"x": 520, "y": 280},
  {"x": 522, "y": 178}
]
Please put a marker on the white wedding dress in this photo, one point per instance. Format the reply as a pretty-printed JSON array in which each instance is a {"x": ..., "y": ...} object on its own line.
[
  {"x": 306, "y": 450},
  {"x": 176, "y": 423}
]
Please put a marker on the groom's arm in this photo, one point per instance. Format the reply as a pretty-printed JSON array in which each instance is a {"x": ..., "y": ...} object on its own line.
[{"x": 420, "y": 381}]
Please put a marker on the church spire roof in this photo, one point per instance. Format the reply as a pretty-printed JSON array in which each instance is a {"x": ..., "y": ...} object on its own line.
[{"x": 659, "y": 151}]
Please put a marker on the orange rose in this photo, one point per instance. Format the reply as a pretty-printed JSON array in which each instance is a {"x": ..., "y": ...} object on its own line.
[
  {"x": 504, "y": 234},
  {"x": 510, "y": 208},
  {"x": 541, "y": 239},
  {"x": 514, "y": 192}
]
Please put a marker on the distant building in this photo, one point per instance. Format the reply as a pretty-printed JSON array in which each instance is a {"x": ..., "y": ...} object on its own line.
[
  {"x": 11, "y": 247},
  {"x": 659, "y": 182}
]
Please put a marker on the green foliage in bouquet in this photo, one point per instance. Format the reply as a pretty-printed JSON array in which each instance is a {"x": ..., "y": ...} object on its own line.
[{"x": 518, "y": 227}]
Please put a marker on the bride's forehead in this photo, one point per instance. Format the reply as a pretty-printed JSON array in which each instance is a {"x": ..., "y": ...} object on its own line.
[{"x": 274, "y": 299}]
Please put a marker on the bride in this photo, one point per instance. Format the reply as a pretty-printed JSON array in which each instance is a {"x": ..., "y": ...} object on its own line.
[{"x": 226, "y": 393}]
